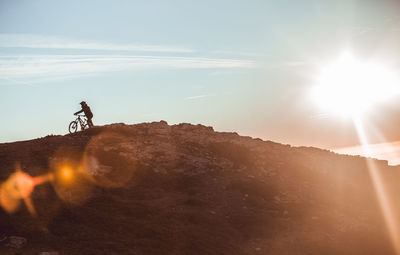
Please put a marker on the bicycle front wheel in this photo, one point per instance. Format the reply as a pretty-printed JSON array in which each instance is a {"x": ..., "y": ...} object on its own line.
[{"x": 73, "y": 127}]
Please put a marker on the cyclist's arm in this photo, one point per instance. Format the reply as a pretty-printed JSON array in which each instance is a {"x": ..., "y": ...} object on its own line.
[{"x": 78, "y": 112}]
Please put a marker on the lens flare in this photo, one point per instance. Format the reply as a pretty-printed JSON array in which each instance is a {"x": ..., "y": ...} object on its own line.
[
  {"x": 19, "y": 186},
  {"x": 109, "y": 160},
  {"x": 66, "y": 174},
  {"x": 70, "y": 183}
]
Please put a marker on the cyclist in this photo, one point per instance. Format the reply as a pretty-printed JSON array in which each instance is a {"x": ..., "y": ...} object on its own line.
[{"x": 88, "y": 113}]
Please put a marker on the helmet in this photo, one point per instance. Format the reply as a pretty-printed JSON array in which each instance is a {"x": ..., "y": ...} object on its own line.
[{"x": 83, "y": 103}]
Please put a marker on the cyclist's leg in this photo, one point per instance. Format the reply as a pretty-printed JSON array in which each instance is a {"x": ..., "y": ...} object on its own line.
[{"x": 90, "y": 122}]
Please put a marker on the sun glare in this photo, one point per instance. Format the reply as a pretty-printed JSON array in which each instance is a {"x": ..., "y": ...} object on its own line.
[
  {"x": 66, "y": 174},
  {"x": 350, "y": 88}
]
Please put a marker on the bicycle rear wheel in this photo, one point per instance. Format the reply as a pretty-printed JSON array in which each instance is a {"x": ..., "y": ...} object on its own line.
[{"x": 73, "y": 127}]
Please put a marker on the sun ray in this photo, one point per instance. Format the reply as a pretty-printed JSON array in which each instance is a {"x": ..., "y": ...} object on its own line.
[{"x": 382, "y": 194}]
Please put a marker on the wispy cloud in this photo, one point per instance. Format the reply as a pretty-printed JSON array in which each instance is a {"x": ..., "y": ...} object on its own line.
[
  {"x": 236, "y": 53},
  {"x": 53, "y": 42},
  {"x": 387, "y": 151},
  {"x": 37, "y": 68},
  {"x": 98, "y": 58},
  {"x": 288, "y": 64},
  {"x": 198, "y": 97}
]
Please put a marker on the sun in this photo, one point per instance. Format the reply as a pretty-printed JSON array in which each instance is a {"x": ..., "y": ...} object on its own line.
[{"x": 350, "y": 88}]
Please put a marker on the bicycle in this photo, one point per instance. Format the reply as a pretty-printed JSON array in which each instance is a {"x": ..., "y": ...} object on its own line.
[{"x": 73, "y": 126}]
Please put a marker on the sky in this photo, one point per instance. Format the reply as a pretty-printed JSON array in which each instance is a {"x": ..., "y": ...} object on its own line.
[{"x": 239, "y": 66}]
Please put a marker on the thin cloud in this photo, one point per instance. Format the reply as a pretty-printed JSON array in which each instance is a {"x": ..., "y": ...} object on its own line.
[
  {"x": 236, "y": 53},
  {"x": 289, "y": 64},
  {"x": 320, "y": 116},
  {"x": 39, "y": 68},
  {"x": 386, "y": 151},
  {"x": 199, "y": 96},
  {"x": 53, "y": 42},
  {"x": 35, "y": 68}
]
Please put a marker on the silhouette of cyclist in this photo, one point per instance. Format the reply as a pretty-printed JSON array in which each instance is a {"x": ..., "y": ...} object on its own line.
[{"x": 88, "y": 113}]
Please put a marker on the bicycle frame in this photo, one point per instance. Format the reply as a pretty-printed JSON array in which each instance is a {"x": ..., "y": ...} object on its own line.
[
  {"x": 82, "y": 121},
  {"x": 73, "y": 126}
]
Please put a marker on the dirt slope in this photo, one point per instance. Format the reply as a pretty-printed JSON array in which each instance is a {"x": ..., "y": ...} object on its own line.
[{"x": 186, "y": 189}]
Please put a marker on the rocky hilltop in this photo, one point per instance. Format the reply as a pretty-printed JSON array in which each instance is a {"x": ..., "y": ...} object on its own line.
[{"x": 153, "y": 188}]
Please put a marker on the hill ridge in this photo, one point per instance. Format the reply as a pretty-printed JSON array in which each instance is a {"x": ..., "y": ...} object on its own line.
[
  {"x": 163, "y": 123},
  {"x": 154, "y": 188}
]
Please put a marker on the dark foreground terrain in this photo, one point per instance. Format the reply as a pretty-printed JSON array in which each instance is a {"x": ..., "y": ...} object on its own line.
[{"x": 184, "y": 189}]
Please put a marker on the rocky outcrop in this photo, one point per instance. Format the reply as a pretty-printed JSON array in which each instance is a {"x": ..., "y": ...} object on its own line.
[{"x": 153, "y": 188}]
